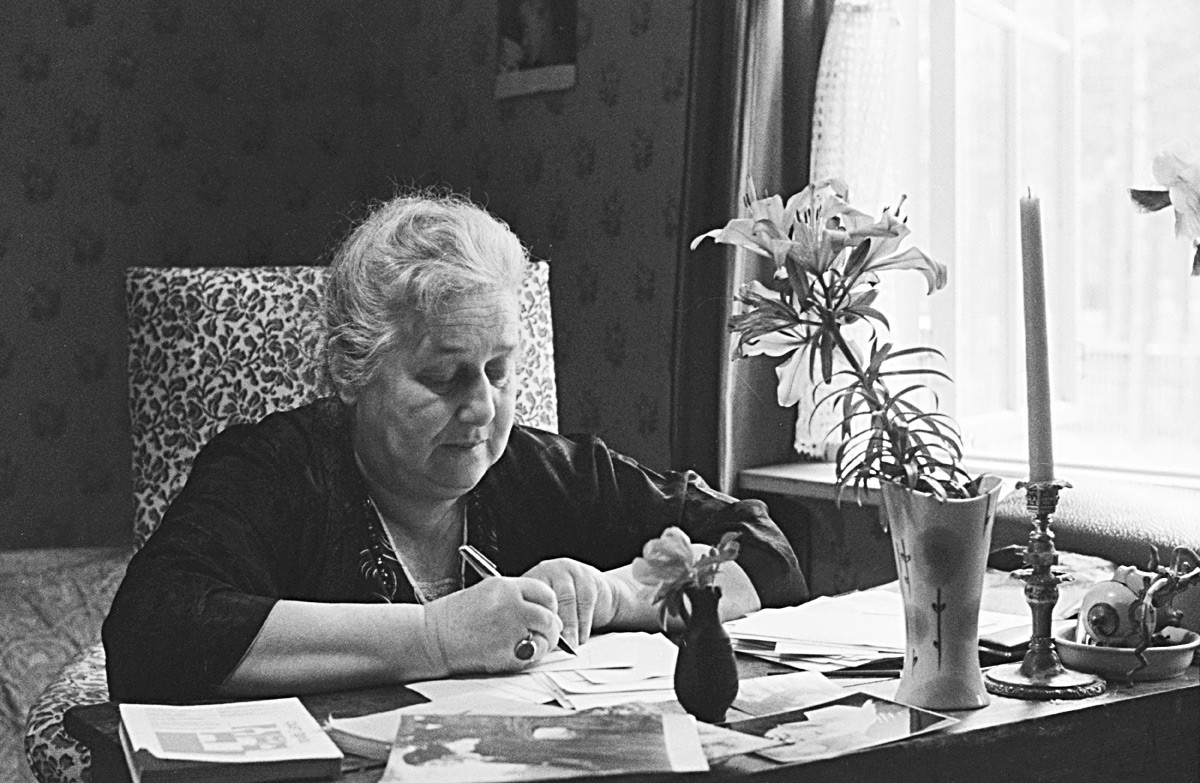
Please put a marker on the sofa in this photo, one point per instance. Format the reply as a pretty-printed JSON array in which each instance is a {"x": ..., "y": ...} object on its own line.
[
  {"x": 1120, "y": 521},
  {"x": 52, "y": 602}
]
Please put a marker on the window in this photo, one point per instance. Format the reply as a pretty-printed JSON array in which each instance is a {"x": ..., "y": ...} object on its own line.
[{"x": 1071, "y": 100}]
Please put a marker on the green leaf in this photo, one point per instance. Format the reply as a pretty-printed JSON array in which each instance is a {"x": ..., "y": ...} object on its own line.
[
  {"x": 826, "y": 345},
  {"x": 1150, "y": 200},
  {"x": 915, "y": 371},
  {"x": 878, "y": 357},
  {"x": 934, "y": 485},
  {"x": 870, "y": 313},
  {"x": 799, "y": 273},
  {"x": 857, "y": 259},
  {"x": 918, "y": 350}
]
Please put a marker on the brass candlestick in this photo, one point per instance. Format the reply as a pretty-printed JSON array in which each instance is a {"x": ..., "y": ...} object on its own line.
[{"x": 1041, "y": 674}]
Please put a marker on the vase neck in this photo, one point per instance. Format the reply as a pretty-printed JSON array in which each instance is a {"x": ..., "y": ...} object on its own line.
[{"x": 703, "y": 601}]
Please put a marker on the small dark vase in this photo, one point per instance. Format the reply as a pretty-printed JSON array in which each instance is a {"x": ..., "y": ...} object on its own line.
[{"x": 706, "y": 676}]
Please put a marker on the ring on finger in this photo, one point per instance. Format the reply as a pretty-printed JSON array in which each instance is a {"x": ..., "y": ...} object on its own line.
[{"x": 525, "y": 648}]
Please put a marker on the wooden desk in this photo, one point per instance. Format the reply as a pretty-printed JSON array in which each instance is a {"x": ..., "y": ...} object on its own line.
[{"x": 1150, "y": 731}]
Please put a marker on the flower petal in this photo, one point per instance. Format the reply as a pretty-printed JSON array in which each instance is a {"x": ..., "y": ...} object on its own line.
[
  {"x": 677, "y": 541},
  {"x": 1186, "y": 201},
  {"x": 778, "y": 343},
  {"x": 738, "y": 232},
  {"x": 792, "y": 379}
]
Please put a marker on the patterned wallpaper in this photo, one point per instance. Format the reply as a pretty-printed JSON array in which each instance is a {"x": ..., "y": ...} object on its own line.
[{"x": 166, "y": 132}]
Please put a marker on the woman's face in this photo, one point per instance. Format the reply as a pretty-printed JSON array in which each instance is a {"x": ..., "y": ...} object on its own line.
[{"x": 438, "y": 411}]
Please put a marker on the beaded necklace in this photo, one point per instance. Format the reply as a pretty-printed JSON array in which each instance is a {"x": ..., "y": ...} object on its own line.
[{"x": 380, "y": 562}]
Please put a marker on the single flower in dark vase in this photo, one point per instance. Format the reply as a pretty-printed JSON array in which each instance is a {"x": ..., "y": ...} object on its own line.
[{"x": 706, "y": 678}]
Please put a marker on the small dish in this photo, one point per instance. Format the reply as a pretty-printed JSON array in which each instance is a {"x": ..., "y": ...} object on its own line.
[{"x": 1117, "y": 662}]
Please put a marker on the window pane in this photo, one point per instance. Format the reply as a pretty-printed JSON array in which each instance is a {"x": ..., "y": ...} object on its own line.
[
  {"x": 1139, "y": 344},
  {"x": 1050, "y": 16},
  {"x": 982, "y": 266},
  {"x": 1073, "y": 101}
]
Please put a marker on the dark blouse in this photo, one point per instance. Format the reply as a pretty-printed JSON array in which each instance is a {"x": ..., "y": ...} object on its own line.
[{"x": 279, "y": 509}]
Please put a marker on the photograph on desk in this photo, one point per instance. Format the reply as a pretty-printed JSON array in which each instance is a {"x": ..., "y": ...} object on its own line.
[
  {"x": 847, "y": 723},
  {"x": 371, "y": 736},
  {"x": 488, "y": 748}
]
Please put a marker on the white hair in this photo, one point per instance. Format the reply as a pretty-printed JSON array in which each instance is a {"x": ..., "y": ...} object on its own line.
[{"x": 410, "y": 257}]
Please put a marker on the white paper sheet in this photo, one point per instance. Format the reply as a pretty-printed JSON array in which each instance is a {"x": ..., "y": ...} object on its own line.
[
  {"x": 522, "y": 687},
  {"x": 648, "y": 653},
  {"x": 872, "y": 619},
  {"x": 575, "y": 682},
  {"x": 811, "y": 665},
  {"x": 588, "y": 701},
  {"x": 615, "y": 663},
  {"x": 783, "y": 692}
]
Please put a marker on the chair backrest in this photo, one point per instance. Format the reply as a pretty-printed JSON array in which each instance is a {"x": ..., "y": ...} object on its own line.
[{"x": 214, "y": 346}]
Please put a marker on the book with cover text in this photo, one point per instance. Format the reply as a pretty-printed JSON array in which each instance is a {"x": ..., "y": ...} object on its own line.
[{"x": 238, "y": 742}]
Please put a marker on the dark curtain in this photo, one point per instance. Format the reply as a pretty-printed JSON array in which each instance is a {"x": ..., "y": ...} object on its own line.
[
  {"x": 719, "y": 33},
  {"x": 754, "y": 69}
]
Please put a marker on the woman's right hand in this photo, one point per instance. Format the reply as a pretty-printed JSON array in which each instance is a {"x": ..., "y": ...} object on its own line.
[{"x": 478, "y": 629}]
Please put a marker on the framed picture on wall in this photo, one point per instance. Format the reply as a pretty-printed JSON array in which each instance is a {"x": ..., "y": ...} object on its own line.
[{"x": 535, "y": 46}]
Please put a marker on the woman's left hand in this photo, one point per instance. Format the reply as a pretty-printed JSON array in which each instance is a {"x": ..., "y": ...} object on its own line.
[{"x": 587, "y": 599}]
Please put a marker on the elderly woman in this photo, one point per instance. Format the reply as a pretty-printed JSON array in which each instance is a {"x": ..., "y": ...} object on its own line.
[{"x": 318, "y": 548}]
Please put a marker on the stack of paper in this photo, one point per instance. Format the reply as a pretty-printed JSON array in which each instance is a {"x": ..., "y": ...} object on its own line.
[
  {"x": 612, "y": 668},
  {"x": 836, "y": 632}
]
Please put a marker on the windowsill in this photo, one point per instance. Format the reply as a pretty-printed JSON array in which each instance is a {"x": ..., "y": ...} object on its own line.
[
  {"x": 816, "y": 480},
  {"x": 809, "y": 480}
]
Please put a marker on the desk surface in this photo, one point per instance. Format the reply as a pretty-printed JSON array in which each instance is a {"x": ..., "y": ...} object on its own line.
[{"x": 1143, "y": 732}]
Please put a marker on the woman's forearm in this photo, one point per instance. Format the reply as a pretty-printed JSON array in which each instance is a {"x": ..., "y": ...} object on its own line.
[
  {"x": 307, "y": 647},
  {"x": 634, "y": 612}
]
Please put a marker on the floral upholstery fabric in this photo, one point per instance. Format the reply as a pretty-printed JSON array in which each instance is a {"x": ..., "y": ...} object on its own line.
[
  {"x": 210, "y": 347},
  {"x": 207, "y": 348},
  {"x": 53, "y": 754}
]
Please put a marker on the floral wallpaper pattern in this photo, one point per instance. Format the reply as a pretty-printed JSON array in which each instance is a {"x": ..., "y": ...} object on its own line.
[{"x": 166, "y": 132}]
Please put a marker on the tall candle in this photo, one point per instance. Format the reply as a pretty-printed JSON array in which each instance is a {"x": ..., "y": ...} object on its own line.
[{"x": 1037, "y": 361}]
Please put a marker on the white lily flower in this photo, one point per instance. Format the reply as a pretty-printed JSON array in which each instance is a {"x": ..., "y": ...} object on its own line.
[{"x": 1177, "y": 169}]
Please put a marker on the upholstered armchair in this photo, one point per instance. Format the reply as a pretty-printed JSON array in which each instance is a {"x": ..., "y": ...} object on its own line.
[{"x": 209, "y": 347}]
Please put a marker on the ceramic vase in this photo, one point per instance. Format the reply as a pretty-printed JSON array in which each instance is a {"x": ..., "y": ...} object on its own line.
[
  {"x": 941, "y": 550},
  {"x": 706, "y": 676}
]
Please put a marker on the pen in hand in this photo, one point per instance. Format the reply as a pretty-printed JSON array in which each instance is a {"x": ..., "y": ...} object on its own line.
[
  {"x": 881, "y": 674},
  {"x": 485, "y": 568}
]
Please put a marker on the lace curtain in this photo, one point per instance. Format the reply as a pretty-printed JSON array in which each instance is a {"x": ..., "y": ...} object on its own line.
[{"x": 849, "y": 118}]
